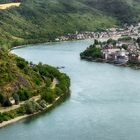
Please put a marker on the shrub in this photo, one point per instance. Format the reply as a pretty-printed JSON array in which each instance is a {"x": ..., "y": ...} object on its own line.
[
  {"x": 1, "y": 98},
  {"x": 48, "y": 96},
  {"x": 58, "y": 91},
  {"x": 48, "y": 82},
  {"x": 23, "y": 94},
  {"x": 21, "y": 63},
  {"x": 124, "y": 46},
  {"x": 92, "y": 51},
  {"x": 20, "y": 111},
  {"x": 111, "y": 41},
  {"x": 6, "y": 102},
  {"x": 32, "y": 107}
]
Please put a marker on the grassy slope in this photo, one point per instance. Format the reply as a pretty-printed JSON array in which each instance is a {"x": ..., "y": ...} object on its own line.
[
  {"x": 12, "y": 77},
  {"x": 35, "y": 87},
  {"x": 39, "y": 21},
  {"x": 126, "y": 11},
  {"x": 16, "y": 73}
]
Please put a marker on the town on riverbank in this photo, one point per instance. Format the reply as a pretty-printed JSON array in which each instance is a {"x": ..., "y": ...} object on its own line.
[
  {"x": 115, "y": 33},
  {"x": 124, "y": 51}
]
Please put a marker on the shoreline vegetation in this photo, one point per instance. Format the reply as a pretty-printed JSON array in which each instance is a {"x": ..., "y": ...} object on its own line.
[
  {"x": 20, "y": 80},
  {"x": 27, "y": 89},
  {"x": 95, "y": 53},
  {"x": 47, "y": 74},
  {"x": 97, "y": 47},
  {"x": 114, "y": 33},
  {"x": 49, "y": 107}
]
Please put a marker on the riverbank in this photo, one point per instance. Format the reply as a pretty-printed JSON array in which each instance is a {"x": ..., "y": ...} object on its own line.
[
  {"x": 122, "y": 52},
  {"x": 35, "y": 91},
  {"x": 100, "y": 60},
  {"x": 48, "y": 107},
  {"x": 96, "y": 107},
  {"x": 63, "y": 41}
]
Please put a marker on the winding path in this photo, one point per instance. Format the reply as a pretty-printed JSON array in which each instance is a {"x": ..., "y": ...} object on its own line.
[{"x": 35, "y": 98}]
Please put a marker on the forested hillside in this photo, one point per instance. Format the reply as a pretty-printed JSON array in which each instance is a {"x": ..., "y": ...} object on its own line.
[
  {"x": 25, "y": 80},
  {"x": 26, "y": 88},
  {"x": 43, "y": 20}
]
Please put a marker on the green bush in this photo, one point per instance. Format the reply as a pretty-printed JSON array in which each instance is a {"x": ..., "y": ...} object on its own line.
[
  {"x": 58, "y": 91},
  {"x": 92, "y": 51},
  {"x": 48, "y": 96},
  {"x": 1, "y": 98},
  {"x": 21, "y": 63},
  {"x": 32, "y": 107},
  {"x": 20, "y": 111},
  {"x": 48, "y": 82},
  {"x": 128, "y": 38},
  {"x": 24, "y": 94},
  {"x": 111, "y": 41},
  {"x": 124, "y": 46}
]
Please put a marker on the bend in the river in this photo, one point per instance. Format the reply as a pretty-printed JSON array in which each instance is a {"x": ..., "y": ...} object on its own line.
[{"x": 104, "y": 105}]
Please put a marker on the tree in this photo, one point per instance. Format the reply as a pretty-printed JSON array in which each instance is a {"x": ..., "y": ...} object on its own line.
[
  {"x": 92, "y": 51},
  {"x": 4, "y": 101},
  {"x": 58, "y": 91},
  {"x": 111, "y": 41},
  {"x": 124, "y": 46},
  {"x": 48, "y": 82},
  {"x": 21, "y": 63},
  {"x": 23, "y": 94},
  {"x": 32, "y": 107},
  {"x": 29, "y": 107},
  {"x": 48, "y": 96},
  {"x": 1, "y": 98}
]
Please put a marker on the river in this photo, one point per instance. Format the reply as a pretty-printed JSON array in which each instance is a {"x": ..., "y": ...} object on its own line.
[{"x": 104, "y": 102}]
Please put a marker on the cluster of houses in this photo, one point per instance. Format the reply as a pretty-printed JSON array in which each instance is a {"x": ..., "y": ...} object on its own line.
[
  {"x": 78, "y": 36},
  {"x": 115, "y": 55},
  {"x": 120, "y": 55},
  {"x": 108, "y": 33}
]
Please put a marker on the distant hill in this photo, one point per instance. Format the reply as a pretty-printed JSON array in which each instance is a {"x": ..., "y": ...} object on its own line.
[{"x": 43, "y": 20}]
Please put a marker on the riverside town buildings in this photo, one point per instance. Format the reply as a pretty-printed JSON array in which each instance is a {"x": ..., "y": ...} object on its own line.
[{"x": 108, "y": 33}]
